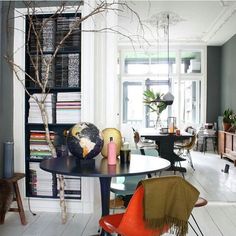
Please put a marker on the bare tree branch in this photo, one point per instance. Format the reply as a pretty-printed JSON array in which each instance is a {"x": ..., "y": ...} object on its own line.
[{"x": 38, "y": 59}]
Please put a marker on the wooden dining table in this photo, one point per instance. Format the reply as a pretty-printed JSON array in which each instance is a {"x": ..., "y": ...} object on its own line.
[
  {"x": 70, "y": 165},
  {"x": 165, "y": 142}
]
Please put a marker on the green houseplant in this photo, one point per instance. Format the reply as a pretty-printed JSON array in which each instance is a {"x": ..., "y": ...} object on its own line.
[
  {"x": 153, "y": 101},
  {"x": 227, "y": 119}
]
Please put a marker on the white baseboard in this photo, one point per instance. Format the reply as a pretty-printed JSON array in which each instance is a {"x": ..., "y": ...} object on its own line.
[{"x": 53, "y": 205}]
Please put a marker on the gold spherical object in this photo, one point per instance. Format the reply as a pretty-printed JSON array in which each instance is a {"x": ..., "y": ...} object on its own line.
[{"x": 116, "y": 135}]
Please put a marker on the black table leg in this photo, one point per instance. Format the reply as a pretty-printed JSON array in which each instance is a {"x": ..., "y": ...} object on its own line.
[
  {"x": 166, "y": 151},
  {"x": 105, "y": 183}
]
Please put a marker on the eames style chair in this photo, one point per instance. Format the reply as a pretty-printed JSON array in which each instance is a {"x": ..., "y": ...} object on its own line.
[
  {"x": 158, "y": 204},
  {"x": 199, "y": 203},
  {"x": 124, "y": 187},
  {"x": 184, "y": 150},
  {"x": 124, "y": 191},
  {"x": 145, "y": 144}
]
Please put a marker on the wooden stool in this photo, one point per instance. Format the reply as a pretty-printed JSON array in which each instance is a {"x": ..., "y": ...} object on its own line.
[
  {"x": 17, "y": 197},
  {"x": 199, "y": 203}
]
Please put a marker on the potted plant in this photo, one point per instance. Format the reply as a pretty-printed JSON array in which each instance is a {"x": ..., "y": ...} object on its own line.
[
  {"x": 227, "y": 119},
  {"x": 153, "y": 101},
  {"x": 233, "y": 123}
]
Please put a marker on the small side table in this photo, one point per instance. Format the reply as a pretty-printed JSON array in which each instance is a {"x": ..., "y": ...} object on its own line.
[
  {"x": 17, "y": 197},
  {"x": 213, "y": 138}
]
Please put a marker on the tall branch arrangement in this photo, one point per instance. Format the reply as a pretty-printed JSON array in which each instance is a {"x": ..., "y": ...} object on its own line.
[{"x": 100, "y": 7}]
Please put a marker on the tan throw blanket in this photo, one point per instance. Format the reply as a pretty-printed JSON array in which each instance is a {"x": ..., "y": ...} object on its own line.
[{"x": 168, "y": 200}]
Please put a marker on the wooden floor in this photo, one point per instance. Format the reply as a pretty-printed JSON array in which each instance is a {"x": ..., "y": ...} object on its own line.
[{"x": 216, "y": 219}]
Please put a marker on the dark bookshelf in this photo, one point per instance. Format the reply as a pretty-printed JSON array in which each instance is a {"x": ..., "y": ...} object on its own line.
[{"x": 64, "y": 82}]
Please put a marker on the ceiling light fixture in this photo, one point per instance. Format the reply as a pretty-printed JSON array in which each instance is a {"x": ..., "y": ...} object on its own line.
[{"x": 162, "y": 20}]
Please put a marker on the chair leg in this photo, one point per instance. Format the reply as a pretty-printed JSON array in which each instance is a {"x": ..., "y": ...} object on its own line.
[
  {"x": 190, "y": 160},
  {"x": 182, "y": 173},
  {"x": 193, "y": 228},
  {"x": 197, "y": 224},
  {"x": 142, "y": 151},
  {"x": 149, "y": 176}
]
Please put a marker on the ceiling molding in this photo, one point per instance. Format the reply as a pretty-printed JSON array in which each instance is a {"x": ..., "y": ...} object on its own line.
[{"x": 224, "y": 16}]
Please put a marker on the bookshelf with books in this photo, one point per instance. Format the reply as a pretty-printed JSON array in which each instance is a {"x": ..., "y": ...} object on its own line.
[{"x": 63, "y": 102}]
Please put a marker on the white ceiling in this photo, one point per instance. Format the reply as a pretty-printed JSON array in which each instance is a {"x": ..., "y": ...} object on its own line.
[{"x": 204, "y": 22}]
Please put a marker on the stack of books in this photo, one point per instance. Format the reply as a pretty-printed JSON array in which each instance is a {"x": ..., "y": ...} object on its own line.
[
  {"x": 67, "y": 70},
  {"x": 49, "y": 78},
  {"x": 65, "y": 24},
  {"x": 72, "y": 187},
  {"x": 73, "y": 70},
  {"x": 40, "y": 180},
  {"x": 48, "y": 34},
  {"x": 39, "y": 148},
  {"x": 68, "y": 108},
  {"x": 34, "y": 111}
]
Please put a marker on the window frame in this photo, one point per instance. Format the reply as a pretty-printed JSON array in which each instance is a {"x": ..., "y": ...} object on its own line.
[{"x": 175, "y": 77}]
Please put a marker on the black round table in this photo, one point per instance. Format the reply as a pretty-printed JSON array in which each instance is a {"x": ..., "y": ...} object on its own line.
[
  {"x": 165, "y": 142},
  {"x": 70, "y": 165}
]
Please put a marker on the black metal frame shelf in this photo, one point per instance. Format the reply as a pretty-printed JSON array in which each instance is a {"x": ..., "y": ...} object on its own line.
[{"x": 68, "y": 60}]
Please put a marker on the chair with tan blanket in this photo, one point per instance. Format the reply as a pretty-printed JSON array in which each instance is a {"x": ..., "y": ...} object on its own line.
[{"x": 158, "y": 205}]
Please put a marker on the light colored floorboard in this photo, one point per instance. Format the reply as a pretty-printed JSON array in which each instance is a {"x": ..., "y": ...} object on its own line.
[
  {"x": 76, "y": 225},
  {"x": 230, "y": 212},
  {"x": 215, "y": 219},
  {"x": 55, "y": 227},
  {"x": 205, "y": 222},
  {"x": 212, "y": 183},
  {"x": 92, "y": 226},
  {"x": 221, "y": 220},
  {"x": 43, "y": 222}
]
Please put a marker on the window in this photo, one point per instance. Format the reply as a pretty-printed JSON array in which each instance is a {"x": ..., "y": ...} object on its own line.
[
  {"x": 132, "y": 103},
  {"x": 190, "y": 62},
  {"x": 189, "y": 101},
  {"x": 142, "y": 71}
]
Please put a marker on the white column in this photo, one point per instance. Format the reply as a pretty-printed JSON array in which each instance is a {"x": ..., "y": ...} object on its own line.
[
  {"x": 112, "y": 85},
  {"x": 106, "y": 81},
  {"x": 87, "y": 66}
]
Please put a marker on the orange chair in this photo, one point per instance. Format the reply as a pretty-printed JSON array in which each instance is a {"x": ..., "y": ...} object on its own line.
[
  {"x": 131, "y": 222},
  {"x": 167, "y": 203},
  {"x": 199, "y": 203}
]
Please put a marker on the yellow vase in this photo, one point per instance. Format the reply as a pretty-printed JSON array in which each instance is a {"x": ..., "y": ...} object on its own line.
[{"x": 116, "y": 135}]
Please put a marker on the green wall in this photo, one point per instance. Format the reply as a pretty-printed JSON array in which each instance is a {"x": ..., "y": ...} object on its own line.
[
  {"x": 213, "y": 83},
  {"x": 228, "y": 75},
  {"x": 6, "y": 79},
  {"x": 6, "y": 75}
]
